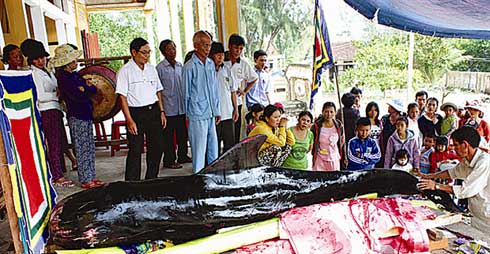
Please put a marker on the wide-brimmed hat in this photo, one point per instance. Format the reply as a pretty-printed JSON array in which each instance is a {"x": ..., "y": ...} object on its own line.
[
  {"x": 64, "y": 55},
  {"x": 475, "y": 104},
  {"x": 33, "y": 49},
  {"x": 396, "y": 104},
  {"x": 449, "y": 104}
]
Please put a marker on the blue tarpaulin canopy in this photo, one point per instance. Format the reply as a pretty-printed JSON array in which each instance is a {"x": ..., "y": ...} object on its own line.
[{"x": 443, "y": 18}]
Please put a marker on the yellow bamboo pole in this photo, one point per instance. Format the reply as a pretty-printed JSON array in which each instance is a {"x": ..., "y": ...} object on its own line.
[{"x": 9, "y": 200}]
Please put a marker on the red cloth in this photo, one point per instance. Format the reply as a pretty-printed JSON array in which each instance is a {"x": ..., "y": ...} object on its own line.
[
  {"x": 436, "y": 157},
  {"x": 484, "y": 130},
  {"x": 354, "y": 226}
]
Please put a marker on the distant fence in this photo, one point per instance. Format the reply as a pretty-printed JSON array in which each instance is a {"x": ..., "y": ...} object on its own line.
[{"x": 474, "y": 81}]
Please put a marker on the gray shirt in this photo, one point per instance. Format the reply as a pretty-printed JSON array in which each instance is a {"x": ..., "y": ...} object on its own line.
[{"x": 173, "y": 88}]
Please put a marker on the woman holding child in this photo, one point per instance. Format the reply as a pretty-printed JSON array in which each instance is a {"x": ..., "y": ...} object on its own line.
[{"x": 277, "y": 146}]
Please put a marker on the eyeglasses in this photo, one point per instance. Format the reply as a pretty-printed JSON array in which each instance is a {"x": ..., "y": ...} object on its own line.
[{"x": 145, "y": 52}]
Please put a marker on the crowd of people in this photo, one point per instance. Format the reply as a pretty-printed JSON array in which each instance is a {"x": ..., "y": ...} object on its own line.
[{"x": 202, "y": 99}]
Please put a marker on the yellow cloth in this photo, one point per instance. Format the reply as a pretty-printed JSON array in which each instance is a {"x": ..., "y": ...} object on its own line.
[{"x": 280, "y": 137}]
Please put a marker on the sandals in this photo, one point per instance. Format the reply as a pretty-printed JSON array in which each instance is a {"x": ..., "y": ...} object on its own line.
[
  {"x": 174, "y": 166},
  {"x": 92, "y": 184},
  {"x": 63, "y": 182}
]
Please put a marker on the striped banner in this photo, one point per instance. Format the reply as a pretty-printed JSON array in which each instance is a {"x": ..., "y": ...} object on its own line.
[
  {"x": 321, "y": 50},
  {"x": 34, "y": 196}
]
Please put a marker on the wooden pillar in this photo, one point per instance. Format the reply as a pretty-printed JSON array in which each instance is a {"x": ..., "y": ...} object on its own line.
[
  {"x": 175, "y": 29},
  {"x": 9, "y": 200},
  {"x": 188, "y": 24},
  {"x": 228, "y": 15}
]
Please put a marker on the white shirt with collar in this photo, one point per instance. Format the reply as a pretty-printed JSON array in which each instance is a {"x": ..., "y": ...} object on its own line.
[
  {"x": 46, "y": 86},
  {"x": 476, "y": 187},
  {"x": 226, "y": 85},
  {"x": 243, "y": 73},
  {"x": 139, "y": 86}
]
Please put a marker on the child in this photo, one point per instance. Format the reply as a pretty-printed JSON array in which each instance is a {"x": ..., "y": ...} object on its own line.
[
  {"x": 450, "y": 122},
  {"x": 402, "y": 138},
  {"x": 429, "y": 142},
  {"x": 253, "y": 116},
  {"x": 401, "y": 161},
  {"x": 363, "y": 152},
  {"x": 304, "y": 142},
  {"x": 329, "y": 140},
  {"x": 442, "y": 159},
  {"x": 413, "y": 115}
]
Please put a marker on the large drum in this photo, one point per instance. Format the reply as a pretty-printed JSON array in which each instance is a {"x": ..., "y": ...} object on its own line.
[{"x": 105, "y": 100}]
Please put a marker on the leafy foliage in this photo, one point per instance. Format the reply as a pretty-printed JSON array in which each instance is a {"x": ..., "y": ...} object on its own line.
[
  {"x": 382, "y": 63},
  {"x": 434, "y": 56},
  {"x": 474, "y": 49},
  {"x": 286, "y": 25},
  {"x": 116, "y": 30}
]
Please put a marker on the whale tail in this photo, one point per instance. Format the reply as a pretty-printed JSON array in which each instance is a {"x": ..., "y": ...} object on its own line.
[{"x": 241, "y": 156}]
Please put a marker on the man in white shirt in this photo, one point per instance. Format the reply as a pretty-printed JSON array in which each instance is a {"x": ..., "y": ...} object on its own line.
[
  {"x": 244, "y": 75},
  {"x": 259, "y": 93},
  {"x": 139, "y": 90},
  {"x": 474, "y": 170},
  {"x": 227, "y": 95}
]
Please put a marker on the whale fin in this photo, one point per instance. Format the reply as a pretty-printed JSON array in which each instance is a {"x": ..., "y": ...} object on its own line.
[{"x": 241, "y": 156}]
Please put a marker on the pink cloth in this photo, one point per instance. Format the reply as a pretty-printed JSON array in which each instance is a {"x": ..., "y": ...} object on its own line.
[
  {"x": 355, "y": 226},
  {"x": 328, "y": 158},
  {"x": 267, "y": 247},
  {"x": 321, "y": 165}
]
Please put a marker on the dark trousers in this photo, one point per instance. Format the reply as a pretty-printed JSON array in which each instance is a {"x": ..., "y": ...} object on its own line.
[
  {"x": 238, "y": 125},
  {"x": 226, "y": 133},
  {"x": 52, "y": 122},
  {"x": 175, "y": 125},
  {"x": 149, "y": 125}
]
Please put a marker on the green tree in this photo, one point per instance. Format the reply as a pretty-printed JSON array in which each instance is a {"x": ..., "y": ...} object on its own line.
[
  {"x": 116, "y": 30},
  {"x": 285, "y": 24},
  {"x": 381, "y": 63},
  {"x": 434, "y": 56},
  {"x": 477, "y": 55}
]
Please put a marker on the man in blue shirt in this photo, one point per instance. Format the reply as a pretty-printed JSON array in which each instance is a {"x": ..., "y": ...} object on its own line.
[
  {"x": 259, "y": 93},
  {"x": 170, "y": 74},
  {"x": 202, "y": 103}
]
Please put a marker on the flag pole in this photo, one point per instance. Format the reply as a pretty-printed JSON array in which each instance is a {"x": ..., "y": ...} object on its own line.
[
  {"x": 6, "y": 183},
  {"x": 336, "y": 79}
]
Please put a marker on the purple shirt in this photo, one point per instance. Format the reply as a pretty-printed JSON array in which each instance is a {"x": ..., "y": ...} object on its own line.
[{"x": 77, "y": 102}]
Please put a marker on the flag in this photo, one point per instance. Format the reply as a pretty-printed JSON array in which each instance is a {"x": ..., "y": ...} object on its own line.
[
  {"x": 322, "y": 51},
  {"x": 20, "y": 123}
]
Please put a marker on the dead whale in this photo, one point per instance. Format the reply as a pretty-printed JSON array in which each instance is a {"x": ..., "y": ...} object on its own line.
[{"x": 234, "y": 190}]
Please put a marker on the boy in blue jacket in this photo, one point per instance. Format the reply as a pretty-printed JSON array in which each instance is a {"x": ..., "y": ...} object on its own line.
[{"x": 362, "y": 151}]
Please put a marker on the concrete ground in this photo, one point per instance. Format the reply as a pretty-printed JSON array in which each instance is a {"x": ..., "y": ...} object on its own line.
[{"x": 111, "y": 169}]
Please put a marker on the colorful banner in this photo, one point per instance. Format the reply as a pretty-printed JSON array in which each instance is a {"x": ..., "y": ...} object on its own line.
[
  {"x": 321, "y": 50},
  {"x": 34, "y": 196}
]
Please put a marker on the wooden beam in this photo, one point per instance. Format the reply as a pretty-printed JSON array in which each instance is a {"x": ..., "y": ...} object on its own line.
[{"x": 9, "y": 200}]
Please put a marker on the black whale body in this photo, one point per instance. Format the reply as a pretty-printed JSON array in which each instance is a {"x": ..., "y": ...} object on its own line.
[{"x": 232, "y": 191}]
